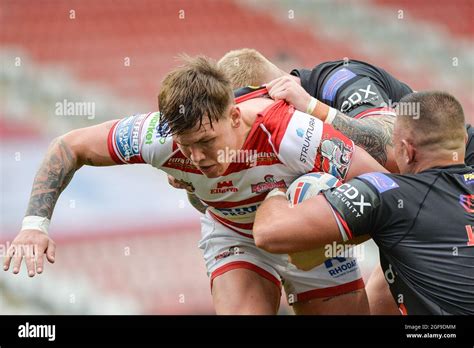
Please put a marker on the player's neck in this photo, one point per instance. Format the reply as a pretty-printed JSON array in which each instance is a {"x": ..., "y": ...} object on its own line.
[
  {"x": 249, "y": 111},
  {"x": 437, "y": 159}
]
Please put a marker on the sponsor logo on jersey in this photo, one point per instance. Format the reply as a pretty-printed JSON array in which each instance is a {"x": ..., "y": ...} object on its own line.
[
  {"x": 380, "y": 181},
  {"x": 468, "y": 178},
  {"x": 238, "y": 211},
  {"x": 263, "y": 158},
  {"x": 390, "y": 274},
  {"x": 300, "y": 132},
  {"x": 352, "y": 199},
  {"x": 224, "y": 187},
  {"x": 306, "y": 139},
  {"x": 127, "y": 136},
  {"x": 335, "y": 82},
  {"x": 339, "y": 266},
  {"x": 336, "y": 157},
  {"x": 235, "y": 250},
  {"x": 153, "y": 128},
  {"x": 361, "y": 96},
  {"x": 183, "y": 164},
  {"x": 269, "y": 184},
  {"x": 467, "y": 202}
]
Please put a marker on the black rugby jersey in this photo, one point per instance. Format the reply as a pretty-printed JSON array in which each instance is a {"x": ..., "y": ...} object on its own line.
[
  {"x": 351, "y": 86},
  {"x": 423, "y": 225}
]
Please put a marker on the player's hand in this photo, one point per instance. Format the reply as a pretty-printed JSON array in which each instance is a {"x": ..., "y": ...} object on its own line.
[
  {"x": 180, "y": 184},
  {"x": 288, "y": 89},
  {"x": 32, "y": 246},
  {"x": 176, "y": 183}
]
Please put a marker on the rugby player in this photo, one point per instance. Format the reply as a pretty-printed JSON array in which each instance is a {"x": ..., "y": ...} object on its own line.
[
  {"x": 362, "y": 94},
  {"x": 422, "y": 220},
  {"x": 359, "y": 91},
  {"x": 199, "y": 123}
]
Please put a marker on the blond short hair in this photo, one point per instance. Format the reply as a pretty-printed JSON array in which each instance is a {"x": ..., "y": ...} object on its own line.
[{"x": 248, "y": 67}]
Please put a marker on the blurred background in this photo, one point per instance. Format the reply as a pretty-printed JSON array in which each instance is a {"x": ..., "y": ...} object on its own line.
[{"x": 127, "y": 242}]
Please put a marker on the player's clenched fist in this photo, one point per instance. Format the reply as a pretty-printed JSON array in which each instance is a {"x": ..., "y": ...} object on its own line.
[
  {"x": 30, "y": 245},
  {"x": 288, "y": 89}
]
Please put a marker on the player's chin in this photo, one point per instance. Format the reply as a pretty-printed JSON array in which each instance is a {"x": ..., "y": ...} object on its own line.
[{"x": 213, "y": 171}]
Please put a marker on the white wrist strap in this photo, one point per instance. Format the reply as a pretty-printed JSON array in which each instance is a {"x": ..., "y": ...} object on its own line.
[
  {"x": 275, "y": 192},
  {"x": 311, "y": 106},
  {"x": 35, "y": 223},
  {"x": 331, "y": 115}
]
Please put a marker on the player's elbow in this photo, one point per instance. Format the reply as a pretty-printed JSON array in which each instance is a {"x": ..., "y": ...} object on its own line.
[
  {"x": 70, "y": 144},
  {"x": 266, "y": 237}
]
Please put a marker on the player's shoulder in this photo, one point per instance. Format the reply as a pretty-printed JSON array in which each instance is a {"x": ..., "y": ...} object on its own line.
[
  {"x": 380, "y": 183},
  {"x": 140, "y": 138}
]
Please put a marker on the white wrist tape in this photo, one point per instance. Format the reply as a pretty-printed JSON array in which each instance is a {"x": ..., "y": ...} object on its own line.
[
  {"x": 331, "y": 115},
  {"x": 275, "y": 192},
  {"x": 311, "y": 106},
  {"x": 35, "y": 223}
]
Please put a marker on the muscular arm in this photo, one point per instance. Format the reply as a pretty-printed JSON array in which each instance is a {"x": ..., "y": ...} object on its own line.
[
  {"x": 279, "y": 228},
  {"x": 283, "y": 229},
  {"x": 64, "y": 157},
  {"x": 374, "y": 134}
]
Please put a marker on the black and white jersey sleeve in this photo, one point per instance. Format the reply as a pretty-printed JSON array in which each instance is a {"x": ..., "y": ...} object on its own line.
[
  {"x": 353, "y": 87},
  {"x": 360, "y": 209},
  {"x": 423, "y": 225}
]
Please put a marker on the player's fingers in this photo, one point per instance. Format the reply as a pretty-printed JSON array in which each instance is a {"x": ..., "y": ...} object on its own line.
[
  {"x": 277, "y": 86},
  {"x": 17, "y": 258},
  {"x": 272, "y": 83},
  {"x": 8, "y": 257},
  {"x": 29, "y": 256},
  {"x": 173, "y": 182},
  {"x": 51, "y": 251},
  {"x": 282, "y": 94},
  {"x": 39, "y": 258}
]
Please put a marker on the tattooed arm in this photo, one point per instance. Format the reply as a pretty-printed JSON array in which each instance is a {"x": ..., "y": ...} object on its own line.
[
  {"x": 373, "y": 133},
  {"x": 64, "y": 157}
]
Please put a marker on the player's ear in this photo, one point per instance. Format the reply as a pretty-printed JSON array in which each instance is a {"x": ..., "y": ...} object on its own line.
[
  {"x": 235, "y": 116},
  {"x": 408, "y": 151}
]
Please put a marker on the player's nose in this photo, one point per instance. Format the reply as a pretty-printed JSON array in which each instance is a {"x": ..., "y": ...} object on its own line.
[{"x": 197, "y": 155}]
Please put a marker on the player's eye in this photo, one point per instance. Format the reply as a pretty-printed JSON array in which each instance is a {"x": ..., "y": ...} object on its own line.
[{"x": 207, "y": 142}]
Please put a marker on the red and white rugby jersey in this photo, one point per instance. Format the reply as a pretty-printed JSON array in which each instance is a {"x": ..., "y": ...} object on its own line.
[{"x": 282, "y": 145}]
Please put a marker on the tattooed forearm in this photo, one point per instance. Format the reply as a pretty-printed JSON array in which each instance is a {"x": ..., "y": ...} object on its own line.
[
  {"x": 196, "y": 203},
  {"x": 54, "y": 175},
  {"x": 373, "y": 134}
]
